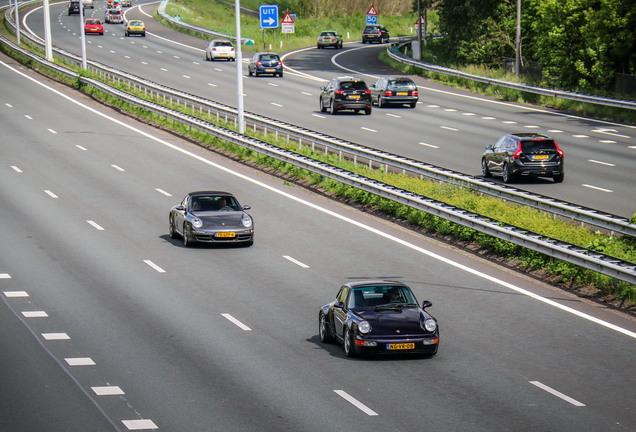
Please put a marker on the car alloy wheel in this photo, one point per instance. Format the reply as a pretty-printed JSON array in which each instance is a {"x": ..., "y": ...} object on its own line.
[
  {"x": 485, "y": 172},
  {"x": 332, "y": 108},
  {"x": 348, "y": 343},
  {"x": 323, "y": 108},
  {"x": 172, "y": 231},
  {"x": 323, "y": 331},
  {"x": 506, "y": 175},
  {"x": 186, "y": 240}
]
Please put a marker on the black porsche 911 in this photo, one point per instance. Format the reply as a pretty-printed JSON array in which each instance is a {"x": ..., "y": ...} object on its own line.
[
  {"x": 379, "y": 317},
  {"x": 211, "y": 217}
]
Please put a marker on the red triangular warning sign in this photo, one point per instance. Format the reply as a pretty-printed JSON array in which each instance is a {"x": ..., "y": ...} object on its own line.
[
  {"x": 372, "y": 11},
  {"x": 287, "y": 19}
]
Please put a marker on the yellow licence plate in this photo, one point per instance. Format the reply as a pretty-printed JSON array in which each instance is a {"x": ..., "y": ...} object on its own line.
[
  {"x": 541, "y": 157},
  {"x": 225, "y": 234},
  {"x": 354, "y": 97},
  {"x": 270, "y": 70},
  {"x": 402, "y": 93},
  {"x": 400, "y": 346}
]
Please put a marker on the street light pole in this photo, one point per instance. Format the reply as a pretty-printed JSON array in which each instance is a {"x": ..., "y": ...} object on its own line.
[
  {"x": 239, "y": 68},
  {"x": 82, "y": 35},
  {"x": 48, "y": 45},
  {"x": 518, "y": 41}
]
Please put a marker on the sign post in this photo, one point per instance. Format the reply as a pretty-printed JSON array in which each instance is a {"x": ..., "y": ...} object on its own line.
[
  {"x": 372, "y": 15},
  {"x": 268, "y": 17},
  {"x": 287, "y": 24}
]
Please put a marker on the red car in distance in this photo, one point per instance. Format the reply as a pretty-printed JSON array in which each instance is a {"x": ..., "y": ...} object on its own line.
[{"x": 93, "y": 25}]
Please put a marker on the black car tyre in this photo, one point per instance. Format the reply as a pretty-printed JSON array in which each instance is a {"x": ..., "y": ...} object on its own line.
[
  {"x": 348, "y": 343},
  {"x": 249, "y": 71},
  {"x": 323, "y": 108},
  {"x": 506, "y": 174},
  {"x": 172, "y": 230},
  {"x": 339, "y": 45},
  {"x": 413, "y": 104},
  {"x": 485, "y": 172},
  {"x": 332, "y": 108},
  {"x": 559, "y": 178},
  {"x": 367, "y": 111},
  {"x": 280, "y": 74},
  {"x": 323, "y": 329},
  {"x": 186, "y": 240}
]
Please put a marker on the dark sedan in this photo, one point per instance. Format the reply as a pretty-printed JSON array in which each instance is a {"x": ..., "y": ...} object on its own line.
[
  {"x": 395, "y": 90},
  {"x": 379, "y": 317},
  {"x": 526, "y": 154},
  {"x": 265, "y": 63},
  {"x": 211, "y": 217}
]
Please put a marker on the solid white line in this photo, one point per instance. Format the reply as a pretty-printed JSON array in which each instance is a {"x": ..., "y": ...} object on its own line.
[
  {"x": 94, "y": 225},
  {"x": 49, "y": 193},
  {"x": 154, "y": 266},
  {"x": 16, "y": 169},
  {"x": 35, "y": 314},
  {"x": 601, "y": 163},
  {"x": 295, "y": 261},
  {"x": 107, "y": 390},
  {"x": 334, "y": 214},
  {"x": 557, "y": 393},
  {"x": 597, "y": 188},
  {"x": 355, "y": 402},
  {"x": 236, "y": 322}
]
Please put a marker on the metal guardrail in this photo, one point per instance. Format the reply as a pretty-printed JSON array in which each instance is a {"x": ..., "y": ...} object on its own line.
[
  {"x": 620, "y": 103},
  {"x": 579, "y": 256}
]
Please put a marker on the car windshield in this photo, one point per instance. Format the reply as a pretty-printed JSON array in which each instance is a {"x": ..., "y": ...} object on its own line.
[
  {"x": 353, "y": 85},
  {"x": 268, "y": 57},
  {"x": 92, "y": 21},
  {"x": 136, "y": 23},
  {"x": 223, "y": 44},
  {"x": 537, "y": 146},
  {"x": 327, "y": 34},
  {"x": 381, "y": 295},
  {"x": 214, "y": 203}
]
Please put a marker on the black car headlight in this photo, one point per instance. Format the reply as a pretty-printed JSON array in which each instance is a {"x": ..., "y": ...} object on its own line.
[
  {"x": 364, "y": 327},
  {"x": 246, "y": 220}
]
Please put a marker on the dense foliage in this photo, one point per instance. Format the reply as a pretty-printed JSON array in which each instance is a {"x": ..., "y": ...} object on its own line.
[{"x": 580, "y": 44}]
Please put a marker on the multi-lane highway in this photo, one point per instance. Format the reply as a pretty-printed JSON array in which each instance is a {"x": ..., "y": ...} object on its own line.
[
  {"x": 449, "y": 128},
  {"x": 108, "y": 324}
]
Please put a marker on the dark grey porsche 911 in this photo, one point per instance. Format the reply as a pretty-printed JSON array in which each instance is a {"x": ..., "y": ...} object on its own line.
[
  {"x": 379, "y": 317},
  {"x": 211, "y": 217}
]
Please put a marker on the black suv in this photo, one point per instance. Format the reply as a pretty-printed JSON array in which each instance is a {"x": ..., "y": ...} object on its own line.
[
  {"x": 73, "y": 7},
  {"x": 523, "y": 154},
  {"x": 375, "y": 33},
  {"x": 345, "y": 93}
]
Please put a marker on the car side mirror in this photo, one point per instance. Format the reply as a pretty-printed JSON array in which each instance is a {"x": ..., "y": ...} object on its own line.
[
  {"x": 339, "y": 305},
  {"x": 322, "y": 88},
  {"x": 426, "y": 304},
  {"x": 489, "y": 147},
  {"x": 180, "y": 208},
  {"x": 246, "y": 207}
]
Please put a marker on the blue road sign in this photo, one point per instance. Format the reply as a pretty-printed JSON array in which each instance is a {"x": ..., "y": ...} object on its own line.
[
  {"x": 269, "y": 16},
  {"x": 372, "y": 19}
]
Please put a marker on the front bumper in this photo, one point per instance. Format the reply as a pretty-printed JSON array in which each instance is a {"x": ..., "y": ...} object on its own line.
[
  {"x": 426, "y": 345},
  {"x": 245, "y": 235}
]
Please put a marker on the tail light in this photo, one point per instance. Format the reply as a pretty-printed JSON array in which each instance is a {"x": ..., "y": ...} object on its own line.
[
  {"x": 517, "y": 154},
  {"x": 559, "y": 151},
  {"x": 258, "y": 62},
  {"x": 379, "y": 33},
  {"x": 339, "y": 92},
  {"x": 414, "y": 93},
  {"x": 388, "y": 93},
  {"x": 367, "y": 91}
]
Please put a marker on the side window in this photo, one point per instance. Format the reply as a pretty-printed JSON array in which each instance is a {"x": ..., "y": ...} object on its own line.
[
  {"x": 499, "y": 144},
  {"x": 511, "y": 144}
]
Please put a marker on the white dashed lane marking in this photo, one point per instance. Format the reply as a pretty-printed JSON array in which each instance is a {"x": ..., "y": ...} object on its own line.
[
  {"x": 355, "y": 402},
  {"x": 236, "y": 322}
]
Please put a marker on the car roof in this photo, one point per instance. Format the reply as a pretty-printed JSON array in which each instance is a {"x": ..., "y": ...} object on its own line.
[
  {"x": 205, "y": 193},
  {"x": 266, "y": 52},
  {"x": 373, "y": 282},
  {"x": 530, "y": 135}
]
